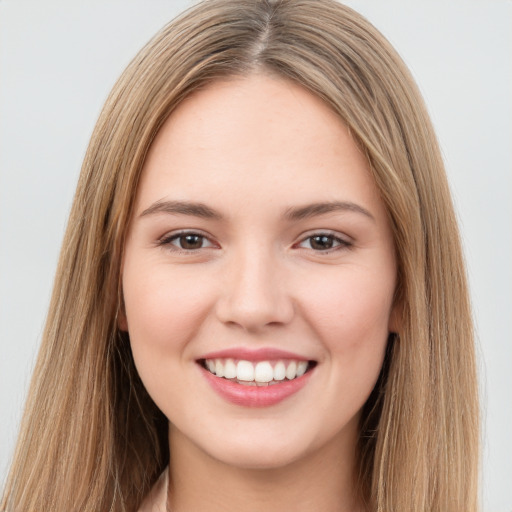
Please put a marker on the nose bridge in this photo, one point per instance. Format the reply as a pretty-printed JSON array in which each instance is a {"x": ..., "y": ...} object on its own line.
[{"x": 255, "y": 293}]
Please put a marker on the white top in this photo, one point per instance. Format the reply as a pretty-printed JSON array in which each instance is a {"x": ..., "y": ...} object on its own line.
[{"x": 156, "y": 500}]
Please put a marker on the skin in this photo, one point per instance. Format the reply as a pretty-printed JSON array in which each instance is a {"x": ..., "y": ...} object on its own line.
[{"x": 252, "y": 148}]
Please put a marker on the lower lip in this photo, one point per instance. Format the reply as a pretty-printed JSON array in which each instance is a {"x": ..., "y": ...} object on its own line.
[{"x": 255, "y": 396}]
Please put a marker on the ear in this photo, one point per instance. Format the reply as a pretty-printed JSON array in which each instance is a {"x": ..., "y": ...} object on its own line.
[
  {"x": 122, "y": 321},
  {"x": 395, "y": 318}
]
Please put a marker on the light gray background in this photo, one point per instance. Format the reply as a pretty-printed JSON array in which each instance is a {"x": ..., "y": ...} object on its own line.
[{"x": 59, "y": 59}]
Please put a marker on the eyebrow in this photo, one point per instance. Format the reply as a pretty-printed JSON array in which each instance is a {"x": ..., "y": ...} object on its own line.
[
  {"x": 182, "y": 208},
  {"x": 312, "y": 210},
  {"x": 292, "y": 214}
]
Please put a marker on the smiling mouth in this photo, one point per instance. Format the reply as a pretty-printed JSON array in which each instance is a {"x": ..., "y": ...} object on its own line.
[{"x": 257, "y": 373}]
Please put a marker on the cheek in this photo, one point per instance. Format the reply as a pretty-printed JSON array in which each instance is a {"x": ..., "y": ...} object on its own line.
[
  {"x": 350, "y": 315},
  {"x": 163, "y": 313},
  {"x": 161, "y": 306}
]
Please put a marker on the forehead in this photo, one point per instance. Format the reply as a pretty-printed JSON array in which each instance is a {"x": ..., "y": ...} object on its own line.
[{"x": 253, "y": 136}]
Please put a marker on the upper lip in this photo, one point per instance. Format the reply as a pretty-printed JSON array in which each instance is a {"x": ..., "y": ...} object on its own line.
[{"x": 251, "y": 354}]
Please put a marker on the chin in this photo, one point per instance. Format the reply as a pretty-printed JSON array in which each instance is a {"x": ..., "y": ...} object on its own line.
[
  {"x": 265, "y": 447},
  {"x": 255, "y": 457}
]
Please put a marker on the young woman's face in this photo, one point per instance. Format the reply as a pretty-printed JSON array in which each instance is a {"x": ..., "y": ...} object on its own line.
[{"x": 259, "y": 249}]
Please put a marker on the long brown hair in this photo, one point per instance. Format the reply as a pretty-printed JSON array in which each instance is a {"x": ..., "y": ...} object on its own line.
[{"x": 91, "y": 438}]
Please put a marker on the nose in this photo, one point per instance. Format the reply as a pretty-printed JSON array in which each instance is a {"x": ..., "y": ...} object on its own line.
[{"x": 255, "y": 294}]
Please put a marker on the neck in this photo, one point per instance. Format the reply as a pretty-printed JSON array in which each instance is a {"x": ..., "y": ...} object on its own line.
[{"x": 321, "y": 481}]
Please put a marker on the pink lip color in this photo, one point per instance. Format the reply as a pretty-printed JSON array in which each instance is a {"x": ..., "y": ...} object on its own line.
[
  {"x": 261, "y": 354},
  {"x": 255, "y": 396}
]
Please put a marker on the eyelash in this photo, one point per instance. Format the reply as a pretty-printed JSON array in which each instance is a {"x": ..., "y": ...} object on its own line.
[
  {"x": 168, "y": 240},
  {"x": 340, "y": 242}
]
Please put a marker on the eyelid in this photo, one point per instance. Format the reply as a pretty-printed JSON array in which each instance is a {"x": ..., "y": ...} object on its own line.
[
  {"x": 167, "y": 239},
  {"x": 344, "y": 242}
]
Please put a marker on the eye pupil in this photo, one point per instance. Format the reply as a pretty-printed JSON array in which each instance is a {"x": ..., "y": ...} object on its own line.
[
  {"x": 322, "y": 242},
  {"x": 191, "y": 241}
]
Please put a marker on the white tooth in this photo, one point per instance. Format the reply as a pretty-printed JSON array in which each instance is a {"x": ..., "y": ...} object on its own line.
[
  {"x": 219, "y": 368},
  {"x": 245, "y": 371},
  {"x": 279, "y": 371},
  {"x": 291, "y": 371},
  {"x": 264, "y": 384},
  {"x": 301, "y": 368},
  {"x": 263, "y": 372},
  {"x": 247, "y": 383},
  {"x": 210, "y": 364},
  {"x": 273, "y": 383},
  {"x": 229, "y": 369}
]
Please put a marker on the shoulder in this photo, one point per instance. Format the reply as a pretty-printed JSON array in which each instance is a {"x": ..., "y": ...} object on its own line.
[{"x": 156, "y": 500}]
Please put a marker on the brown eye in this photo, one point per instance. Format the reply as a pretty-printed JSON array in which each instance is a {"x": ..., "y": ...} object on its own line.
[
  {"x": 321, "y": 242},
  {"x": 186, "y": 241},
  {"x": 190, "y": 241}
]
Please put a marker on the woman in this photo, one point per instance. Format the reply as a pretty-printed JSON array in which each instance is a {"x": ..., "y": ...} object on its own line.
[{"x": 264, "y": 195}]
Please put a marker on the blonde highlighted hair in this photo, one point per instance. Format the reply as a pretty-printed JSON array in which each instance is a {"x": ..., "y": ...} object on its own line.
[{"x": 91, "y": 438}]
